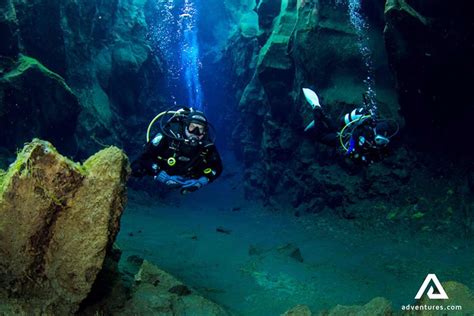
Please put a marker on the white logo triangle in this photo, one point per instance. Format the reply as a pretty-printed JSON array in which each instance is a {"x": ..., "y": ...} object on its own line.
[{"x": 440, "y": 296}]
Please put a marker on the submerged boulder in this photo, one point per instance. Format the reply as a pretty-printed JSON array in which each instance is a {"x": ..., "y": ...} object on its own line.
[
  {"x": 140, "y": 288},
  {"x": 377, "y": 306},
  {"x": 299, "y": 310},
  {"x": 159, "y": 293},
  {"x": 58, "y": 219}
]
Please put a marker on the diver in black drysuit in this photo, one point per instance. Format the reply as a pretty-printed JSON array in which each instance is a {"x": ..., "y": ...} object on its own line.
[
  {"x": 368, "y": 139},
  {"x": 182, "y": 155}
]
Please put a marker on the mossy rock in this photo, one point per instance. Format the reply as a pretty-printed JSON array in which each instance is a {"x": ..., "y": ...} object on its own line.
[{"x": 58, "y": 219}]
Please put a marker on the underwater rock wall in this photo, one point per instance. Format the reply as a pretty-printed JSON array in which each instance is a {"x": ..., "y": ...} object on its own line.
[
  {"x": 224, "y": 72},
  {"x": 112, "y": 69},
  {"x": 312, "y": 44},
  {"x": 101, "y": 52},
  {"x": 8, "y": 29},
  {"x": 306, "y": 44},
  {"x": 58, "y": 220},
  {"x": 35, "y": 101}
]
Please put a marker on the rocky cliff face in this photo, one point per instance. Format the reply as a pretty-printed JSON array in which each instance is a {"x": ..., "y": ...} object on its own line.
[
  {"x": 306, "y": 44},
  {"x": 58, "y": 219},
  {"x": 102, "y": 80},
  {"x": 36, "y": 101},
  {"x": 312, "y": 44},
  {"x": 100, "y": 50}
]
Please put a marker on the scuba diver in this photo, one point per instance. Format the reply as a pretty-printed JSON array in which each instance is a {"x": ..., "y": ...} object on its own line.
[
  {"x": 182, "y": 155},
  {"x": 360, "y": 134}
]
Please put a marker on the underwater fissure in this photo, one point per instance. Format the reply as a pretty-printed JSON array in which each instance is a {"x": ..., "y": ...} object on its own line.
[{"x": 324, "y": 120}]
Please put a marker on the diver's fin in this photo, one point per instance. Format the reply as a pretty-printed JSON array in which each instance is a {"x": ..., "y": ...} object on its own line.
[
  {"x": 311, "y": 97},
  {"x": 309, "y": 126},
  {"x": 313, "y": 100}
]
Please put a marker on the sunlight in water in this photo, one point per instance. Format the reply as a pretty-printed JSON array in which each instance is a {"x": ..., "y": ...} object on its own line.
[
  {"x": 174, "y": 35},
  {"x": 361, "y": 27},
  {"x": 190, "y": 54}
]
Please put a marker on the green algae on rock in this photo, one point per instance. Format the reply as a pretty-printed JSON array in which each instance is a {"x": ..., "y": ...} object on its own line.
[{"x": 58, "y": 219}]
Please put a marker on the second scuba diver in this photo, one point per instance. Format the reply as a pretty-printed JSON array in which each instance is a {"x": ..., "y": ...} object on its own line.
[
  {"x": 360, "y": 134},
  {"x": 182, "y": 155}
]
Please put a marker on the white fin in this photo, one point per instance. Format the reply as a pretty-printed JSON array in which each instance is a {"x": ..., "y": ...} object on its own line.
[{"x": 311, "y": 97}]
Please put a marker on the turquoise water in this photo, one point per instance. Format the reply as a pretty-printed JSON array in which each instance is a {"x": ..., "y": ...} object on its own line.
[
  {"x": 89, "y": 74},
  {"x": 250, "y": 272}
]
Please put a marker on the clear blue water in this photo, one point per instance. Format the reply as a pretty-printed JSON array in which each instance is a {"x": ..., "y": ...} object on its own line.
[
  {"x": 249, "y": 270},
  {"x": 174, "y": 36},
  {"x": 343, "y": 264}
]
